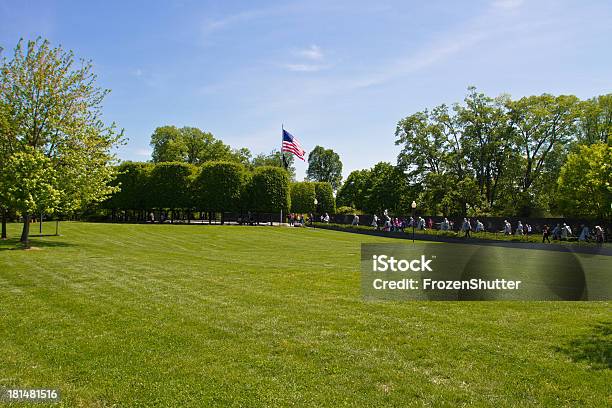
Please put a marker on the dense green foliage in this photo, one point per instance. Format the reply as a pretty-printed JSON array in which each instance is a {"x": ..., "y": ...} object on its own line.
[
  {"x": 268, "y": 190},
  {"x": 302, "y": 197},
  {"x": 354, "y": 191},
  {"x": 324, "y": 165},
  {"x": 50, "y": 110},
  {"x": 133, "y": 187},
  {"x": 194, "y": 146},
  {"x": 596, "y": 120},
  {"x": 169, "y": 185},
  {"x": 494, "y": 156},
  {"x": 274, "y": 159},
  {"x": 214, "y": 186},
  {"x": 190, "y": 145},
  {"x": 345, "y": 210},
  {"x": 28, "y": 181},
  {"x": 220, "y": 186},
  {"x": 259, "y": 317},
  {"x": 326, "y": 203},
  {"x": 384, "y": 187},
  {"x": 387, "y": 189},
  {"x": 585, "y": 182},
  {"x": 490, "y": 156}
]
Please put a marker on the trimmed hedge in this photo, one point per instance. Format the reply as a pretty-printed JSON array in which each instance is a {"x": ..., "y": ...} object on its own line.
[
  {"x": 302, "y": 197},
  {"x": 220, "y": 186},
  {"x": 325, "y": 198},
  {"x": 268, "y": 190},
  {"x": 169, "y": 185},
  {"x": 216, "y": 187},
  {"x": 133, "y": 179}
]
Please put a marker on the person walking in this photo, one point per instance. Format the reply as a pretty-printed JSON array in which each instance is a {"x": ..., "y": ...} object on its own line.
[
  {"x": 566, "y": 232},
  {"x": 519, "y": 228},
  {"x": 584, "y": 234},
  {"x": 507, "y": 228},
  {"x": 375, "y": 222},
  {"x": 599, "y": 234},
  {"x": 444, "y": 225},
  {"x": 545, "y": 234},
  {"x": 466, "y": 228},
  {"x": 556, "y": 232}
]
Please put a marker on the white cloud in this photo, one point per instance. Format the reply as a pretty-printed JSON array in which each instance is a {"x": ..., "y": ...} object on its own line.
[
  {"x": 304, "y": 67},
  {"x": 213, "y": 25},
  {"x": 314, "y": 52},
  {"x": 138, "y": 72},
  {"x": 228, "y": 21}
]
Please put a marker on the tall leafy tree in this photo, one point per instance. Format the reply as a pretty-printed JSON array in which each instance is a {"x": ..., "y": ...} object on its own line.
[
  {"x": 168, "y": 145},
  {"x": 190, "y": 145},
  {"x": 486, "y": 143},
  {"x": 7, "y": 143},
  {"x": 424, "y": 145},
  {"x": 29, "y": 182},
  {"x": 325, "y": 165},
  {"x": 55, "y": 113},
  {"x": 585, "y": 182},
  {"x": 353, "y": 190},
  {"x": 274, "y": 159},
  {"x": 387, "y": 189},
  {"x": 596, "y": 120},
  {"x": 541, "y": 123}
]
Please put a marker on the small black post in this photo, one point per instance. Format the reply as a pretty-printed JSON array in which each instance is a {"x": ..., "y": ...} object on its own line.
[{"x": 413, "y": 220}]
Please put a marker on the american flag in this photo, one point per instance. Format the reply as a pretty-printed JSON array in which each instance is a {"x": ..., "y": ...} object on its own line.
[{"x": 292, "y": 145}]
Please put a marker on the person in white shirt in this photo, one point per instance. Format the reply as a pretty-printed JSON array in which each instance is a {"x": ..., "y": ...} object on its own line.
[
  {"x": 466, "y": 227},
  {"x": 566, "y": 231},
  {"x": 519, "y": 228},
  {"x": 507, "y": 228},
  {"x": 444, "y": 225},
  {"x": 479, "y": 226}
]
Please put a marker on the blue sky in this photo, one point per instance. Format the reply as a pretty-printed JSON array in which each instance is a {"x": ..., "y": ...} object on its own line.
[{"x": 335, "y": 73}]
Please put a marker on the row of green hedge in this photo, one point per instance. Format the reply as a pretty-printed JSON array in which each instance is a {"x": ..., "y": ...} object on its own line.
[{"x": 216, "y": 186}]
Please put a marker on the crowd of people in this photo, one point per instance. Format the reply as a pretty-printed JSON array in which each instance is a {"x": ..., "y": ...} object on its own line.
[
  {"x": 560, "y": 232},
  {"x": 387, "y": 223}
]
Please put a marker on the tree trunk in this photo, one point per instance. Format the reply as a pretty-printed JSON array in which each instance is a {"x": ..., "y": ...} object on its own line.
[
  {"x": 4, "y": 216},
  {"x": 25, "y": 233}
]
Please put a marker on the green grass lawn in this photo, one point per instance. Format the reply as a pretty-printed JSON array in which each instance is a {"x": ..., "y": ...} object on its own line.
[{"x": 163, "y": 315}]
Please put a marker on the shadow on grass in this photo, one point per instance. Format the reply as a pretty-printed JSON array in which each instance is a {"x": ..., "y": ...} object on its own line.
[
  {"x": 594, "y": 348},
  {"x": 13, "y": 244}
]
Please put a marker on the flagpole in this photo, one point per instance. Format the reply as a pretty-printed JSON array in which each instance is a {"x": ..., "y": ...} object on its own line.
[
  {"x": 282, "y": 165},
  {"x": 281, "y": 149}
]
